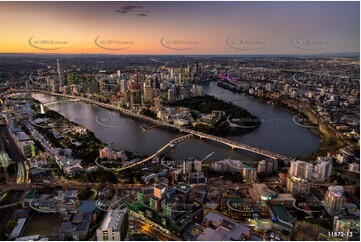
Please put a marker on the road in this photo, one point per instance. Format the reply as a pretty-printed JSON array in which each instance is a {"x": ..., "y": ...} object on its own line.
[
  {"x": 14, "y": 153},
  {"x": 149, "y": 230}
]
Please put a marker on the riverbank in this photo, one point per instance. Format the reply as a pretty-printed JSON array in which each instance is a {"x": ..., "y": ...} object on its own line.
[
  {"x": 218, "y": 112},
  {"x": 229, "y": 142},
  {"x": 323, "y": 132}
]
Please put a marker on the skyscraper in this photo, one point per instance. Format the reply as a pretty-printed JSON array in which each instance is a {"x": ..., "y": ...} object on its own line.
[
  {"x": 147, "y": 92},
  {"x": 323, "y": 168},
  {"x": 334, "y": 200},
  {"x": 301, "y": 169},
  {"x": 197, "y": 67},
  {"x": 60, "y": 74},
  {"x": 170, "y": 95},
  {"x": 189, "y": 70},
  {"x": 123, "y": 86},
  {"x": 135, "y": 96},
  {"x": 181, "y": 74}
]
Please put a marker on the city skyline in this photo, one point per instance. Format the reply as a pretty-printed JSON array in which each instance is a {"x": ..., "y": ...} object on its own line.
[
  {"x": 204, "y": 28},
  {"x": 180, "y": 121}
]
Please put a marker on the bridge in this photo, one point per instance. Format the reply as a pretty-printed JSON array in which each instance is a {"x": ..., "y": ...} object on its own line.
[
  {"x": 170, "y": 144},
  {"x": 10, "y": 205},
  {"x": 237, "y": 145},
  {"x": 231, "y": 143}
]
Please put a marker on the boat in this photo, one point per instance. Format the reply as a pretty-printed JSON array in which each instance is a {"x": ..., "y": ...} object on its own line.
[
  {"x": 172, "y": 145},
  {"x": 146, "y": 128},
  {"x": 143, "y": 128}
]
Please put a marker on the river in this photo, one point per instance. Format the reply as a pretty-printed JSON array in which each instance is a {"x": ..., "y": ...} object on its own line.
[{"x": 277, "y": 132}]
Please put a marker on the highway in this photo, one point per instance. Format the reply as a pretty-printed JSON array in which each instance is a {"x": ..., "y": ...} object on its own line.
[{"x": 14, "y": 153}]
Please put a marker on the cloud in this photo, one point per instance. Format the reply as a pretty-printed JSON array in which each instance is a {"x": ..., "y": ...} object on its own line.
[
  {"x": 136, "y": 9},
  {"x": 130, "y": 6}
]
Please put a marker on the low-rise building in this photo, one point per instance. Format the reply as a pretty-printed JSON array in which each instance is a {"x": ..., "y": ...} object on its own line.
[
  {"x": 354, "y": 167},
  {"x": 114, "y": 226}
]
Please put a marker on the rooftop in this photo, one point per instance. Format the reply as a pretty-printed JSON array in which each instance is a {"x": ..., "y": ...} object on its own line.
[
  {"x": 114, "y": 219},
  {"x": 336, "y": 191},
  {"x": 183, "y": 187},
  {"x": 225, "y": 229},
  {"x": 264, "y": 191},
  {"x": 281, "y": 213},
  {"x": 18, "y": 228}
]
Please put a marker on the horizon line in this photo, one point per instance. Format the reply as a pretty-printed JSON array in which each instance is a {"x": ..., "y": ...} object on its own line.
[{"x": 119, "y": 54}]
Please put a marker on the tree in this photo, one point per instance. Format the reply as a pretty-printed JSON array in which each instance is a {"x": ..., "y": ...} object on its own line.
[
  {"x": 11, "y": 169},
  {"x": 84, "y": 193}
]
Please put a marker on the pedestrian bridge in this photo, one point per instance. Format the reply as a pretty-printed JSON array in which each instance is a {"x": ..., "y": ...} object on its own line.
[{"x": 170, "y": 144}]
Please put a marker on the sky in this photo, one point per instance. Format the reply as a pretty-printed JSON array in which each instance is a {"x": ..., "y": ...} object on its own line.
[{"x": 180, "y": 27}]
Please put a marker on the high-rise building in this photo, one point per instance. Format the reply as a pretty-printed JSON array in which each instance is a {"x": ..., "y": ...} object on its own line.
[
  {"x": 323, "y": 168},
  {"x": 268, "y": 87},
  {"x": 189, "y": 75},
  {"x": 135, "y": 96},
  {"x": 159, "y": 190},
  {"x": 298, "y": 185},
  {"x": 186, "y": 193},
  {"x": 267, "y": 166},
  {"x": 286, "y": 88},
  {"x": 354, "y": 167},
  {"x": 249, "y": 173},
  {"x": 172, "y": 73},
  {"x": 197, "y": 67},
  {"x": 181, "y": 74},
  {"x": 147, "y": 92},
  {"x": 301, "y": 169},
  {"x": 157, "y": 104},
  {"x": 123, "y": 86},
  {"x": 170, "y": 96},
  {"x": 114, "y": 226},
  {"x": 60, "y": 74},
  {"x": 192, "y": 165},
  {"x": 334, "y": 200},
  {"x": 54, "y": 83}
]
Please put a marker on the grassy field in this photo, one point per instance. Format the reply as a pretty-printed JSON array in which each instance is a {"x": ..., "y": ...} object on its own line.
[{"x": 43, "y": 224}]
